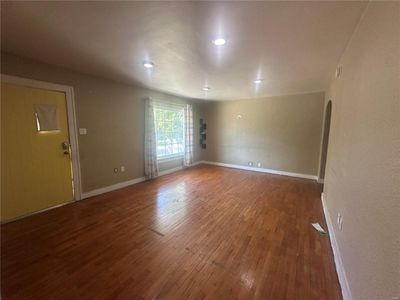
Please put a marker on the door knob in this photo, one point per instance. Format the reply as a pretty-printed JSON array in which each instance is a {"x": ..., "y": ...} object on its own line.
[{"x": 66, "y": 147}]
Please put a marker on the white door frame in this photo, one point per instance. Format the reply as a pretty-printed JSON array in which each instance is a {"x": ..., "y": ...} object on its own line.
[{"x": 72, "y": 128}]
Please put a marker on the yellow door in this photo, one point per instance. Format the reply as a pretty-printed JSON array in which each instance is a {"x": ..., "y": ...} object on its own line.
[{"x": 36, "y": 171}]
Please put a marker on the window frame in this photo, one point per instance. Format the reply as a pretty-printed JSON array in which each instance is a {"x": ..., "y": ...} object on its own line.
[{"x": 173, "y": 108}]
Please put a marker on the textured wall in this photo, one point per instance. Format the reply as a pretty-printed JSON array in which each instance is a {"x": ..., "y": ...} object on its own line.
[
  {"x": 283, "y": 133},
  {"x": 112, "y": 112},
  {"x": 362, "y": 179}
]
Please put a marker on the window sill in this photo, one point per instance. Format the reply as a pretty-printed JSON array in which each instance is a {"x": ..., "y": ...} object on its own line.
[{"x": 169, "y": 158}]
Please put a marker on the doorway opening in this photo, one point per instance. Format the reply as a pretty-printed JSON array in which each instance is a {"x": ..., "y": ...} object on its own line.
[{"x": 325, "y": 141}]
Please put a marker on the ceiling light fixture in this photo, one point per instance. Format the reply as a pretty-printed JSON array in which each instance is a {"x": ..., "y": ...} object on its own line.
[
  {"x": 206, "y": 88},
  {"x": 219, "y": 42},
  {"x": 259, "y": 80},
  {"x": 148, "y": 64}
]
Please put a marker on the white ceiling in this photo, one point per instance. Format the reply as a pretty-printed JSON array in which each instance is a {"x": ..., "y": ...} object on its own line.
[{"x": 294, "y": 46}]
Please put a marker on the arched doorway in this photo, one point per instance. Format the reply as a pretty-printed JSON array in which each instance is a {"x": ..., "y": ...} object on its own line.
[{"x": 325, "y": 140}]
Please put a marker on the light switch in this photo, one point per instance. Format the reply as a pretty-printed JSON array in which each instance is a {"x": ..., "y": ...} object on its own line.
[{"x": 82, "y": 131}]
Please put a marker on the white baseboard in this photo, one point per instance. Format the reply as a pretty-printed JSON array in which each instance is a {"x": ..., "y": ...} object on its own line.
[
  {"x": 320, "y": 180},
  {"x": 169, "y": 171},
  {"x": 102, "y": 190},
  {"x": 346, "y": 293},
  {"x": 111, "y": 188},
  {"x": 121, "y": 185},
  {"x": 262, "y": 170}
]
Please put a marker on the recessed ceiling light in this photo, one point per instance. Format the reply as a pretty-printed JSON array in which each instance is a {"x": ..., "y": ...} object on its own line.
[
  {"x": 148, "y": 64},
  {"x": 259, "y": 80},
  {"x": 206, "y": 88},
  {"x": 219, "y": 41}
]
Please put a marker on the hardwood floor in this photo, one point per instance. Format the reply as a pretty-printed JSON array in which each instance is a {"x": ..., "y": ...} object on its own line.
[{"x": 202, "y": 233}]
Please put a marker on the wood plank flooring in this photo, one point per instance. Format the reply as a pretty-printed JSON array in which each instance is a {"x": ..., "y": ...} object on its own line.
[{"x": 203, "y": 233}]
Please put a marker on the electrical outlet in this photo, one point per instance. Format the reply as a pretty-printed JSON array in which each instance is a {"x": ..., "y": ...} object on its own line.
[
  {"x": 259, "y": 165},
  {"x": 115, "y": 170},
  {"x": 82, "y": 131},
  {"x": 341, "y": 223},
  {"x": 122, "y": 168},
  {"x": 250, "y": 163},
  {"x": 338, "y": 72}
]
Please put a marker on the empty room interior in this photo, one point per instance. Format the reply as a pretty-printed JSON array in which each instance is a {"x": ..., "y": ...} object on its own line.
[{"x": 200, "y": 150}]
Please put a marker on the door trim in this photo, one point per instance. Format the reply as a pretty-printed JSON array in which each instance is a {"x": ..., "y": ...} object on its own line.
[{"x": 72, "y": 128}]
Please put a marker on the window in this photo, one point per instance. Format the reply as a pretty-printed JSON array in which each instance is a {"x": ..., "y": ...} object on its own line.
[{"x": 169, "y": 132}]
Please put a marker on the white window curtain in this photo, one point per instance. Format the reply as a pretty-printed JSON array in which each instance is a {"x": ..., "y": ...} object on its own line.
[
  {"x": 188, "y": 131},
  {"x": 150, "y": 147}
]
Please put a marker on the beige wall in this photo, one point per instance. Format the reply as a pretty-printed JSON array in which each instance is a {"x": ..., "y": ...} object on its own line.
[
  {"x": 112, "y": 112},
  {"x": 362, "y": 180},
  {"x": 283, "y": 133}
]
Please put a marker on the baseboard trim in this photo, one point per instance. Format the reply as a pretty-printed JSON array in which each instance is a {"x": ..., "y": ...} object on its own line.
[
  {"x": 123, "y": 184},
  {"x": 111, "y": 188},
  {"x": 169, "y": 171},
  {"x": 100, "y": 191},
  {"x": 336, "y": 254},
  {"x": 262, "y": 170}
]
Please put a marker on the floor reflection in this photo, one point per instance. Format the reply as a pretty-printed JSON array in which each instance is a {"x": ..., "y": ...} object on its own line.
[{"x": 171, "y": 205}]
